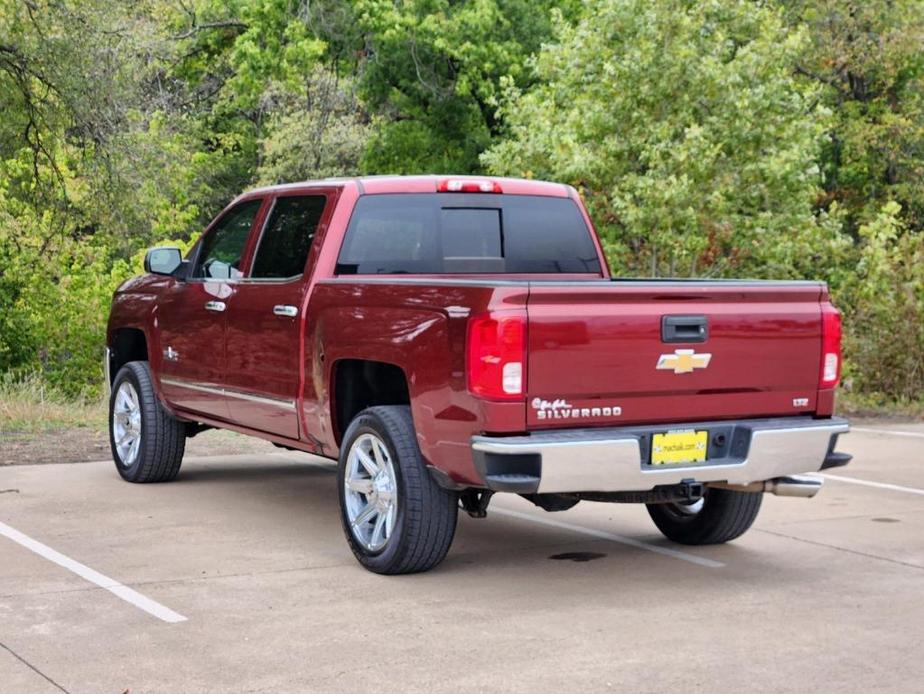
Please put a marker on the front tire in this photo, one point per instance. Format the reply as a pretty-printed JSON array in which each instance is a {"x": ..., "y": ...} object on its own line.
[
  {"x": 722, "y": 515},
  {"x": 396, "y": 518},
  {"x": 147, "y": 442}
]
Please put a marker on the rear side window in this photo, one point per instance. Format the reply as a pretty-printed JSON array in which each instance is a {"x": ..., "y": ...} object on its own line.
[
  {"x": 466, "y": 233},
  {"x": 287, "y": 236}
]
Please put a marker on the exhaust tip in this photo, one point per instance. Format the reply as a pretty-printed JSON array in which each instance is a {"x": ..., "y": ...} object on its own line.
[{"x": 794, "y": 485}]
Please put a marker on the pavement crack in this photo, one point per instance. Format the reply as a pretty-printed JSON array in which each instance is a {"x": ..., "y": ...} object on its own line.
[
  {"x": 9, "y": 491},
  {"x": 31, "y": 667},
  {"x": 842, "y": 549}
]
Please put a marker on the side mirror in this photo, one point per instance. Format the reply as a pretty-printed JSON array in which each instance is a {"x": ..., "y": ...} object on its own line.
[{"x": 163, "y": 261}]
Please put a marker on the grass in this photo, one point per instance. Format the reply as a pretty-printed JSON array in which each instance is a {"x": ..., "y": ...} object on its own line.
[
  {"x": 875, "y": 405},
  {"x": 27, "y": 405}
]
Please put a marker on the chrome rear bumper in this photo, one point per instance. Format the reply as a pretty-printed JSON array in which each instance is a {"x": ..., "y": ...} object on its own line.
[{"x": 616, "y": 460}]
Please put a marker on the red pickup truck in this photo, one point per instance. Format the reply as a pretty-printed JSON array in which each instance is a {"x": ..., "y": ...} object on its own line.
[{"x": 448, "y": 338}]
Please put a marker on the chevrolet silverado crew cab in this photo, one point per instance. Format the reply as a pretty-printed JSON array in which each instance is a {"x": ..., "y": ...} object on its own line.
[{"x": 448, "y": 338}]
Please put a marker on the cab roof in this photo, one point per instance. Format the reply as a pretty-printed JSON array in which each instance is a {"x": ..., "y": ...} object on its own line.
[{"x": 376, "y": 185}]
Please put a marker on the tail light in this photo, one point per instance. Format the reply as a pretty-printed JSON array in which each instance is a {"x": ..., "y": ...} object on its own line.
[
  {"x": 458, "y": 185},
  {"x": 496, "y": 355},
  {"x": 830, "y": 373}
]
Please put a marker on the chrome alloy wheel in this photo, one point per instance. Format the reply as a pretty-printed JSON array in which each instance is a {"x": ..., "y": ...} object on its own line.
[
  {"x": 371, "y": 492},
  {"x": 126, "y": 423}
]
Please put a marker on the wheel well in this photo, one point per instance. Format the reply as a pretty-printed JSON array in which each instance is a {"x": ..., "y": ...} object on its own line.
[
  {"x": 128, "y": 344},
  {"x": 359, "y": 384}
]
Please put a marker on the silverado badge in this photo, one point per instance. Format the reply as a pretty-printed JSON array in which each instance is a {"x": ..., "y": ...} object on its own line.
[
  {"x": 562, "y": 409},
  {"x": 683, "y": 361}
]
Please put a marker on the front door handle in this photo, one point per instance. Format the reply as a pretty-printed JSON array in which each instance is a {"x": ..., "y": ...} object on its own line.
[
  {"x": 217, "y": 306},
  {"x": 285, "y": 310}
]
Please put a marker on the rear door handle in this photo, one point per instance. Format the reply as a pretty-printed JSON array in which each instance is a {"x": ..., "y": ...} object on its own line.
[
  {"x": 217, "y": 306},
  {"x": 285, "y": 310}
]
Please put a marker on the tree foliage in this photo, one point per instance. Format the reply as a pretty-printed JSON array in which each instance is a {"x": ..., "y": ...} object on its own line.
[
  {"x": 715, "y": 138},
  {"x": 434, "y": 67},
  {"x": 866, "y": 58},
  {"x": 886, "y": 299},
  {"x": 684, "y": 125}
]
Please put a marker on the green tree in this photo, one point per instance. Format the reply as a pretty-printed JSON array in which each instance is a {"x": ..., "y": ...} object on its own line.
[
  {"x": 130, "y": 124},
  {"x": 318, "y": 135},
  {"x": 433, "y": 68},
  {"x": 885, "y": 299},
  {"x": 866, "y": 59},
  {"x": 684, "y": 127}
]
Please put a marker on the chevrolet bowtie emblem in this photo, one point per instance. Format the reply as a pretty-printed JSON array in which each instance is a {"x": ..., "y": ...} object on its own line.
[{"x": 683, "y": 361}]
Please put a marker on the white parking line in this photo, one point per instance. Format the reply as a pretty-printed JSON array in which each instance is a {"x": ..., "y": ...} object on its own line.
[
  {"x": 877, "y": 485},
  {"x": 891, "y": 432},
  {"x": 127, "y": 594},
  {"x": 612, "y": 537}
]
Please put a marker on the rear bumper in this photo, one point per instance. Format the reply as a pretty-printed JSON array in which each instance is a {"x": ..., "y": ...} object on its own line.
[{"x": 617, "y": 459}]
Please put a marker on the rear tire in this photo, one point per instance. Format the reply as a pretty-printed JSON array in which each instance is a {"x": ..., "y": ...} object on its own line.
[
  {"x": 396, "y": 518},
  {"x": 723, "y": 516},
  {"x": 147, "y": 441}
]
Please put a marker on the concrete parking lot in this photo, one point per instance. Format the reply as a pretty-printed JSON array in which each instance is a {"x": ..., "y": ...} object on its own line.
[{"x": 236, "y": 577}]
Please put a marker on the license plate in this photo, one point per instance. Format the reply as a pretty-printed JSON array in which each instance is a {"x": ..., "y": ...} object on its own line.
[{"x": 674, "y": 447}]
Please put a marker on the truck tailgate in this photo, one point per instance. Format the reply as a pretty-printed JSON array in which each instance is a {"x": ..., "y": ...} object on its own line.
[{"x": 595, "y": 349}]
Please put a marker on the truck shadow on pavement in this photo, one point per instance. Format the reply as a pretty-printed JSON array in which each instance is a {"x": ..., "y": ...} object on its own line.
[
  {"x": 260, "y": 470},
  {"x": 302, "y": 497}
]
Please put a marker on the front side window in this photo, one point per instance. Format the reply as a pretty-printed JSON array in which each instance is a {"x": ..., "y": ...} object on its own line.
[
  {"x": 222, "y": 248},
  {"x": 287, "y": 238}
]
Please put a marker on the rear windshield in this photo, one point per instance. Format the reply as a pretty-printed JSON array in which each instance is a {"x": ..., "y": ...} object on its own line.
[{"x": 466, "y": 233}]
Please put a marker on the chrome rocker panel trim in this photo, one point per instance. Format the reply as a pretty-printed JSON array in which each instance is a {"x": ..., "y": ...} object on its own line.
[
  {"x": 230, "y": 393},
  {"x": 610, "y": 460}
]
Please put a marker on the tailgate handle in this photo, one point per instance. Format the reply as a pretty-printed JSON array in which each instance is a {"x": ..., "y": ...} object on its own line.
[{"x": 684, "y": 329}]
